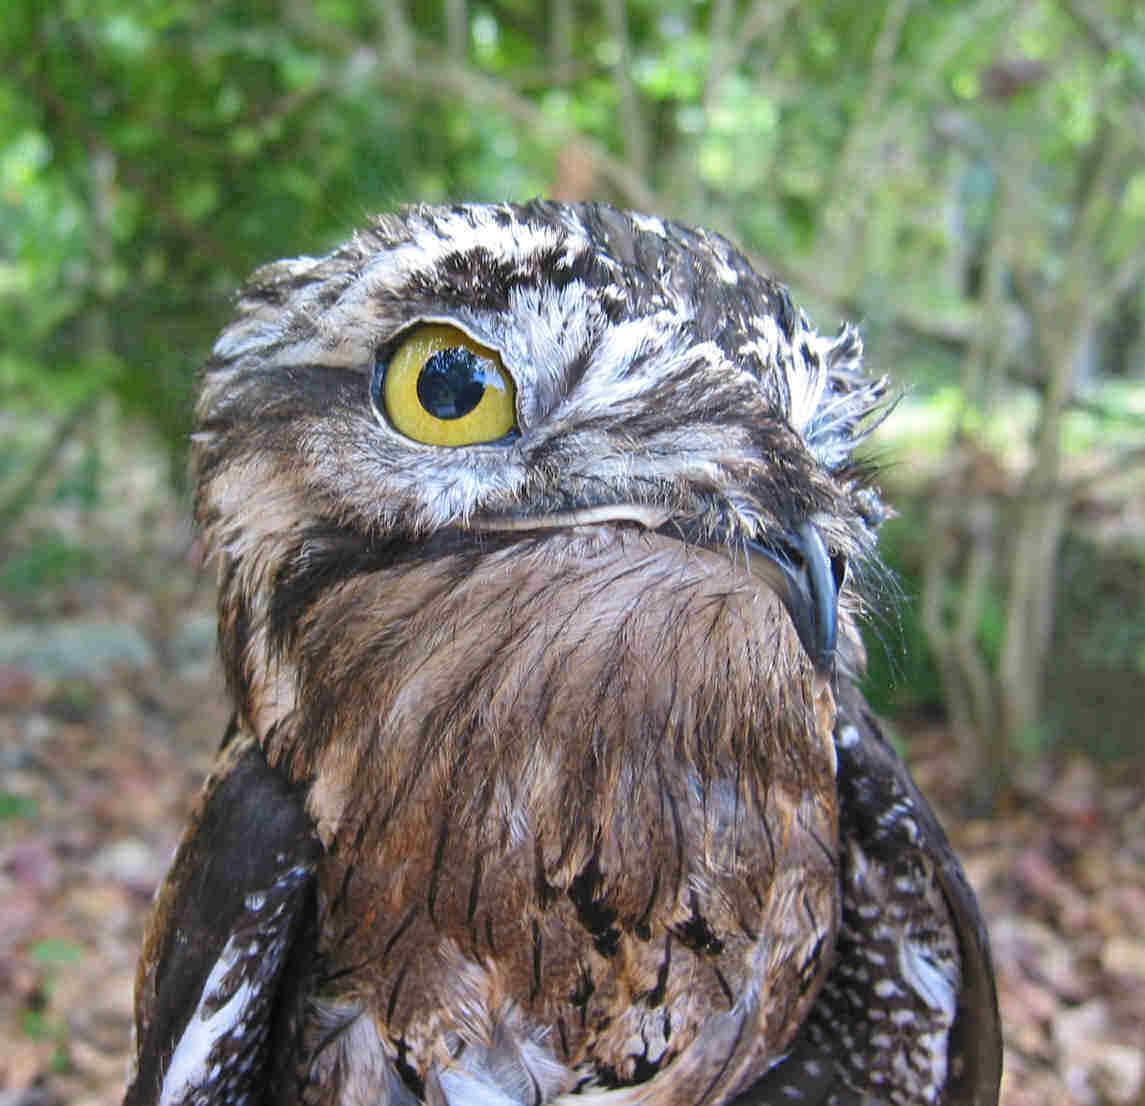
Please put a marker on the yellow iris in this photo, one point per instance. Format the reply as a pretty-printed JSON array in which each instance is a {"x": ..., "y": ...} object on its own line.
[{"x": 443, "y": 388}]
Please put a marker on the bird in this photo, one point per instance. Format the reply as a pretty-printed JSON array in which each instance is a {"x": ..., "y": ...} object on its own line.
[{"x": 543, "y": 541}]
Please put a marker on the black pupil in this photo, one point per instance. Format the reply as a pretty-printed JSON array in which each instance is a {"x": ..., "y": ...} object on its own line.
[{"x": 453, "y": 381}]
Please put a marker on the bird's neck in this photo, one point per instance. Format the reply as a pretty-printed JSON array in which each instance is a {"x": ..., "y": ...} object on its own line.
[{"x": 515, "y": 674}]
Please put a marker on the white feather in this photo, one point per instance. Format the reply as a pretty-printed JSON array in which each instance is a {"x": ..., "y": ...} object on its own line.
[{"x": 189, "y": 1062}]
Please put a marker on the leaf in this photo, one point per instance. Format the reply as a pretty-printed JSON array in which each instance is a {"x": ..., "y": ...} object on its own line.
[{"x": 57, "y": 950}]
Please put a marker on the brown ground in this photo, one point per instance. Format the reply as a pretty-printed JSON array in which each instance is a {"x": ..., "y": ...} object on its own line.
[{"x": 100, "y": 759}]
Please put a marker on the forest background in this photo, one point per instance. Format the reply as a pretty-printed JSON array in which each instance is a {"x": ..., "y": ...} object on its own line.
[{"x": 965, "y": 179}]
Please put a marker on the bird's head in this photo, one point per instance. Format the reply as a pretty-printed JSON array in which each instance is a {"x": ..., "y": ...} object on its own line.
[{"x": 511, "y": 379}]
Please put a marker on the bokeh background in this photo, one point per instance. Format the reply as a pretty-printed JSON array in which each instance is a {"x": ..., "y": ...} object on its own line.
[{"x": 963, "y": 178}]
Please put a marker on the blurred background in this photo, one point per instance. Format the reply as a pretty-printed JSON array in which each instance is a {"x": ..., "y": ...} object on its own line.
[{"x": 965, "y": 179}]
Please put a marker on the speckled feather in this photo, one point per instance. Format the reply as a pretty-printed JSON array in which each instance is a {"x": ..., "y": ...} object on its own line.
[{"x": 555, "y": 809}]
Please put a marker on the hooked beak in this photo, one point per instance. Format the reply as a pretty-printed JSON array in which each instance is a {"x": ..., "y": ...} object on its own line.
[{"x": 807, "y": 579}]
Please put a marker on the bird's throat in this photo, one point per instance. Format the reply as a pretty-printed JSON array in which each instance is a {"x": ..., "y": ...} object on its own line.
[{"x": 569, "y": 666}]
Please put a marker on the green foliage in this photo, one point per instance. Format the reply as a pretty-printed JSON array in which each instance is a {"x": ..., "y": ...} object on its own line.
[
  {"x": 901, "y": 673},
  {"x": 52, "y": 955},
  {"x": 45, "y": 563},
  {"x": 17, "y": 807},
  {"x": 153, "y": 152},
  {"x": 56, "y": 950}
]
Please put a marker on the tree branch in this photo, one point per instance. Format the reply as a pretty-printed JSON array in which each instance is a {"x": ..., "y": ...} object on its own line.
[
  {"x": 397, "y": 38},
  {"x": 849, "y": 184},
  {"x": 561, "y": 25},
  {"x": 441, "y": 81},
  {"x": 719, "y": 39},
  {"x": 429, "y": 75},
  {"x": 1122, "y": 462},
  {"x": 457, "y": 29},
  {"x": 764, "y": 16},
  {"x": 20, "y": 496},
  {"x": 78, "y": 128},
  {"x": 631, "y": 116},
  {"x": 1107, "y": 38}
]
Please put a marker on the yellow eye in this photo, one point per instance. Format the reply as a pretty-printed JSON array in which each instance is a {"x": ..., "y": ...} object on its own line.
[{"x": 441, "y": 387}]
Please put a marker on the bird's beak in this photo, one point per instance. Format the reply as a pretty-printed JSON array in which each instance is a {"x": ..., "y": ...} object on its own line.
[
  {"x": 798, "y": 568},
  {"x": 803, "y": 575}
]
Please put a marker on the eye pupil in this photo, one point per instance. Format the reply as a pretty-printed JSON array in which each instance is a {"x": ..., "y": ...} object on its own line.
[{"x": 452, "y": 382}]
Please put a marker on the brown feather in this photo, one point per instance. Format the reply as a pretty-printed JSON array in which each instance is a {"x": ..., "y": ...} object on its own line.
[{"x": 566, "y": 796}]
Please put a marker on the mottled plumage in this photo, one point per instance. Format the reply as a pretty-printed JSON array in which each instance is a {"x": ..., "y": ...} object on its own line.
[{"x": 548, "y": 781}]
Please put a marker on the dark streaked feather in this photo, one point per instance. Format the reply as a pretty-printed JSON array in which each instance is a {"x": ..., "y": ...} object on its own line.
[
  {"x": 238, "y": 889},
  {"x": 839, "y": 1059}
]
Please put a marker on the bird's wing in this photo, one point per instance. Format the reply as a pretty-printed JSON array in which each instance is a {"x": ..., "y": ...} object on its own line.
[
  {"x": 908, "y": 1012},
  {"x": 236, "y": 904}
]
